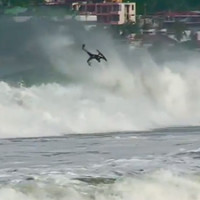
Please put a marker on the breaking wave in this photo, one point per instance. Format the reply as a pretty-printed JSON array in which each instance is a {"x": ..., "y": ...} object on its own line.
[
  {"x": 161, "y": 185},
  {"x": 47, "y": 88}
]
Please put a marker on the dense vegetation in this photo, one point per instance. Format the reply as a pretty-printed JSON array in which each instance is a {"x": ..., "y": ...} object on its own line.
[
  {"x": 151, "y": 6},
  {"x": 143, "y": 6},
  {"x": 21, "y": 2}
]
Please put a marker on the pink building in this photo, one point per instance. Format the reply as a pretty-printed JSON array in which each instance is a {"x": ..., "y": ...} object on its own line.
[{"x": 111, "y": 13}]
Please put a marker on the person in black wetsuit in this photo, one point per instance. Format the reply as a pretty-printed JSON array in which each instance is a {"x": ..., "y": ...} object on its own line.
[{"x": 97, "y": 57}]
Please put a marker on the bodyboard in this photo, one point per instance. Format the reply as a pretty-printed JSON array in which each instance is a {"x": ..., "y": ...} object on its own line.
[{"x": 102, "y": 55}]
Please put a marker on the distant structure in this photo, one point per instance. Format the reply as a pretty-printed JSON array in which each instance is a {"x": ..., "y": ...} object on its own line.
[
  {"x": 190, "y": 19},
  {"x": 113, "y": 12},
  {"x": 108, "y": 12}
]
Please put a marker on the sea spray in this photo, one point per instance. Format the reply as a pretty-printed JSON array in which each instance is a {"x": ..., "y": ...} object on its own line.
[{"x": 61, "y": 94}]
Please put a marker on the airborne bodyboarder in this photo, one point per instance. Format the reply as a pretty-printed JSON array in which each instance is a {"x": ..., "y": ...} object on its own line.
[{"x": 97, "y": 57}]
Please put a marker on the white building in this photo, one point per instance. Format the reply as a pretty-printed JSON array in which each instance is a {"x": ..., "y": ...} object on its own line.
[{"x": 111, "y": 13}]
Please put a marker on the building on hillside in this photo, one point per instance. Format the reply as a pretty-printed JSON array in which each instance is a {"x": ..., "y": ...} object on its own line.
[
  {"x": 190, "y": 19},
  {"x": 111, "y": 13}
]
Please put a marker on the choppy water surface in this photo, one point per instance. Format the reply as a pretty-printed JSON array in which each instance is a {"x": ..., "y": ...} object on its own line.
[{"x": 143, "y": 165}]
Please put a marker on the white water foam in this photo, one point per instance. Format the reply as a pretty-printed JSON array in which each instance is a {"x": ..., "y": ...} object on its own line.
[
  {"x": 113, "y": 96},
  {"x": 160, "y": 186},
  {"x": 114, "y": 99}
]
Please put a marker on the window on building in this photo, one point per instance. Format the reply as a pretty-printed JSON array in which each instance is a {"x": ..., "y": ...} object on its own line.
[
  {"x": 98, "y": 9},
  {"x": 91, "y": 8},
  {"x": 105, "y": 19},
  {"x": 132, "y": 7},
  {"x": 115, "y": 18},
  {"x": 104, "y": 9},
  {"x": 109, "y": 8},
  {"x": 116, "y": 8}
]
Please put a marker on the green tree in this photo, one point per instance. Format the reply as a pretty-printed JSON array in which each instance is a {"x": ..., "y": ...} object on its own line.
[
  {"x": 22, "y": 3},
  {"x": 194, "y": 4},
  {"x": 5, "y": 2},
  {"x": 37, "y": 2},
  {"x": 153, "y": 6}
]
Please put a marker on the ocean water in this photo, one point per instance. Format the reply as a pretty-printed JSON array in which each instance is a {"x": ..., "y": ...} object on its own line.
[
  {"x": 127, "y": 129},
  {"x": 160, "y": 164}
]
